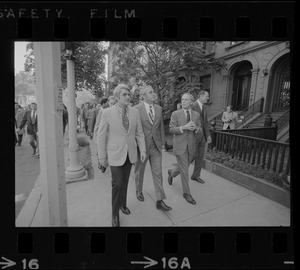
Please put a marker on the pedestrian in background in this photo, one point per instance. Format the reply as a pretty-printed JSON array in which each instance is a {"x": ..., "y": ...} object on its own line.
[
  {"x": 185, "y": 125},
  {"x": 119, "y": 135},
  {"x": 103, "y": 104},
  {"x": 65, "y": 118},
  {"x": 84, "y": 116},
  {"x": 153, "y": 128},
  {"x": 230, "y": 118},
  {"x": 30, "y": 118},
  {"x": 19, "y": 114}
]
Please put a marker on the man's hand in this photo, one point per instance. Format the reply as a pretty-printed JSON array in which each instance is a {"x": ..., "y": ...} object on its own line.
[
  {"x": 208, "y": 139},
  {"x": 198, "y": 129},
  {"x": 143, "y": 156},
  {"x": 189, "y": 126},
  {"x": 103, "y": 163}
]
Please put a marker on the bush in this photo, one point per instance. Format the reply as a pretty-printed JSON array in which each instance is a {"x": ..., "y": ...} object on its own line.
[
  {"x": 247, "y": 168},
  {"x": 82, "y": 141}
]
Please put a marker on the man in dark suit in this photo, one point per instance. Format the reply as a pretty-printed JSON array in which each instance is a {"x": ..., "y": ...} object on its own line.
[
  {"x": 95, "y": 112},
  {"x": 30, "y": 118},
  {"x": 153, "y": 128},
  {"x": 186, "y": 126},
  {"x": 119, "y": 135},
  {"x": 201, "y": 140}
]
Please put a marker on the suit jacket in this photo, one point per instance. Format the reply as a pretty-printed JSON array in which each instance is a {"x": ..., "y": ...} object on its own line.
[
  {"x": 186, "y": 139},
  {"x": 97, "y": 124},
  {"x": 32, "y": 128},
  {"x": 155, "y": 131},
  {"x": 203, "y": 118},
  {"x": 19, "y": 114},
  {"x": 94, "y": 114},
  {"x": 113, "y": 142},
  {"x": 233, "y": 116}
]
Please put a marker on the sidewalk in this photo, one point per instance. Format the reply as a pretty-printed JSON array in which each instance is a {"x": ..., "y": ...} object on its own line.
[{"x": 219, "y": 202}]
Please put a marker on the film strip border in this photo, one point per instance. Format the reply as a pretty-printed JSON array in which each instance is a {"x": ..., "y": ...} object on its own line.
[
  {"x": 174, "y": 248},
  {"x": 151, "y": 21},
  {"x": 192, "y": 248}
]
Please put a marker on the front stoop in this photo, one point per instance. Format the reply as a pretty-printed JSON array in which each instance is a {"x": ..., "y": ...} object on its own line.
[{"x": 255, "y": 184}]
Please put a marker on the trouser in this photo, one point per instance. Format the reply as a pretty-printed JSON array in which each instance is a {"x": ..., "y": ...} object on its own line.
[
  {"x": 155, "y": 159},
  {"x": 199, "y": 157},
  {"x": 182, "y": 168},
  {"x": 33, "y": 140},
  {"x": 120, "y": 177},
  {"x": 19, "y": 140}
]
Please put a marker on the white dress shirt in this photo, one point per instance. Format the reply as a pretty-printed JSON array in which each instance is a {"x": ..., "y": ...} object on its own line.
[{"x": 148, "y": 110}]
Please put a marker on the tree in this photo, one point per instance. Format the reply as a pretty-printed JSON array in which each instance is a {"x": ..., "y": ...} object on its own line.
[
  {"x": 24, "y": 85},
  {"x": 160, "y": 64},
  {"x": 89, "y": 61}
]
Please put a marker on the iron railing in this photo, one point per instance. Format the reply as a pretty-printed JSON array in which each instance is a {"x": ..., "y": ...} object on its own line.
[
  {"x": 282, "y": 121},
  {"x": 268, "y": 133},
  {"x": 271, "y": 155}
]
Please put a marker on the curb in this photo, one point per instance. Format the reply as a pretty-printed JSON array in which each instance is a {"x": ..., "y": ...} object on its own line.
[
  {"x": 27, "y": 214},
  {"x": 255, "y": 184}
]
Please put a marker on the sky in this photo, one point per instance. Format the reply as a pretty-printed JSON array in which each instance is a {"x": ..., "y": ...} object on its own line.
[{"x": 20, "y": 51}]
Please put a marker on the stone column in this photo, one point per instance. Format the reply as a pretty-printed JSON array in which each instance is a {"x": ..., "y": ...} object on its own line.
[
  {"x": 50, "y": 132},
  {"x": 75, "y": 171},
  {"x": 227, "y": 79},
  {"x": 253, "y": 85}
]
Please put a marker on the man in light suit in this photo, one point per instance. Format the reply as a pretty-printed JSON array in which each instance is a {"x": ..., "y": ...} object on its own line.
[
  {"x": 119, "y": 134},
  {"x": 186, "y": 126},
  {"x": 230, "y": 118},
  {"x": 201, "y": 140},
  {"x": 153, "y": 128}
]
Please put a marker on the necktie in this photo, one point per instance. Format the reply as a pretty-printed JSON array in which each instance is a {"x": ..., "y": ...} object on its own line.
[
  {"x": 151, "y": 115},
  {"x": 125, "y": 119},
  {"x": 201, "y": 110},
  {"x": 188, "y": 117}
]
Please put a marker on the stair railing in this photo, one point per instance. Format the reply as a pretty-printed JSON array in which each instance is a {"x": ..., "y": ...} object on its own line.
[
  {"x": 282, "y": 121},
  {"x": 251, "y": 110}
]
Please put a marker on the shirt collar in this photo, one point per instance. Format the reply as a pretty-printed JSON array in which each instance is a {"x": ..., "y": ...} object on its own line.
[
  {"x": 200, "y": 104},
  {"x": 148, "y": 105},
  {"x": 120, "y": 109}
]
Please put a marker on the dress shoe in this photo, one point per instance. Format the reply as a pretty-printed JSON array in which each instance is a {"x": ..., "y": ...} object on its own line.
[
  {"x": 140, "y": 196},
  {"x": 125, "y": 210},
  {"x": 198, "y": 179},
  {"x": 170, "y": 178},
  {"x": 162, "y": 206},
  {"x": 189, "y": 198},
  {"x": 115, "y": 221}
]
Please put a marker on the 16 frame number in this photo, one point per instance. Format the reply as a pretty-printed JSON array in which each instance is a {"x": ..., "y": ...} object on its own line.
[
  {"x": 174, "y": 264},
  {"x": 32, "y": 264}
]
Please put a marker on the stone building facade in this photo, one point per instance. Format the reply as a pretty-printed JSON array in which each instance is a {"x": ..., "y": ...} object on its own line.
[{"x": 254, "y": 69}]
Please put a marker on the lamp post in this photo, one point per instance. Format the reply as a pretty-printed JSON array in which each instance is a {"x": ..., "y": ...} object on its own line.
[{"x": 75, "y": 171}]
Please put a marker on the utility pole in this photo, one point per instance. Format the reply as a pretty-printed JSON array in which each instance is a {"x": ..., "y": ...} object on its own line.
[{"x": 50, "y": 133}]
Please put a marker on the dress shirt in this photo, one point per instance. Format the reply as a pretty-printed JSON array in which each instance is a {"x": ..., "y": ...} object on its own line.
[
  {"x": 185, "y": 112},
  {"x": 148, "y": 110},
  {"x": 200, "y": 104}
]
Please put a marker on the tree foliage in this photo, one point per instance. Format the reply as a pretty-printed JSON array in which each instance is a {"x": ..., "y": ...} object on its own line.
[
  {"x": 24, "y": 84},
  {"x": 161, "y": 64},
  {"x": 89, "y": 62}
]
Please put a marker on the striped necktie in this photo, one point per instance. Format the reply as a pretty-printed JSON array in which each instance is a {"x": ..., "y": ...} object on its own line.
[
  {"x": 125, "y": 119},
  {"x": 151, "y": 115},
  {"x": 188, "y": 116}
]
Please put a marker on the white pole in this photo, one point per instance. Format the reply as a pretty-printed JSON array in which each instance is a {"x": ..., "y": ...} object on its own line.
[
  {"x": 50, "y": 131},
  {"x": 75, "y": 171}
]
